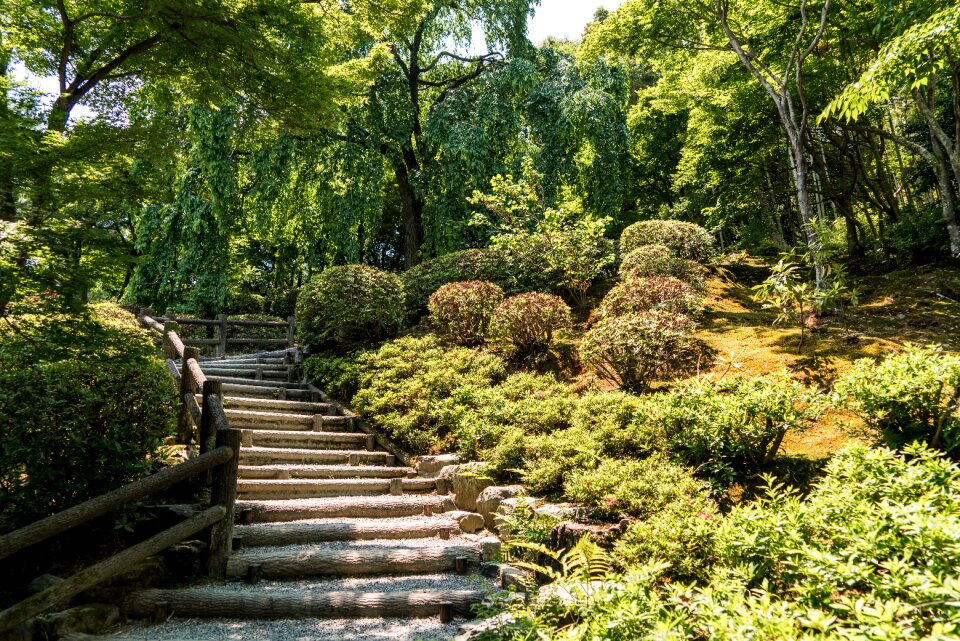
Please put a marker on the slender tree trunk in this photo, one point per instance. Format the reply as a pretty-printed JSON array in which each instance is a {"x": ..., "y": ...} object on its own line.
[
  {"x": 947, "y": 203},
  {"x": 412, "y": 213}
]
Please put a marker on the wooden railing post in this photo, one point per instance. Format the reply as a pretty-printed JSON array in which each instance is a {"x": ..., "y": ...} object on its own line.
[
  {"x": 223, "y": 492},
  {"x": 208, "y": 424},
  {"x": 222, "y": 345},
  {"x": 168, "y": 349},
  {"x": 146, "y": 311},
  {"x": 188, "y": 387},
  {"x": 291, "y": 326}
]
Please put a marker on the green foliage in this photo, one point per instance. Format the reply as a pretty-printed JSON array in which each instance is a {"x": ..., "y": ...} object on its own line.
[
  {"x": 527, "y": 322},
  {"x": 907, "y": 397},
  {"x": 790, "y": 292},
  {"x": 686, "y": 240},
  {"x": 462, "y": 311},
  {"x": 635, "y": 349},
  {"x": 733, "y": 426},
  {"x": 640, "y": 488},
  {"x": 421, "y": 281},
  {"x": 85, "y": 402},
  {"x": 908, "y": 60},
  {"x": 648, "y": 261},
  {"x": 282, "y": 302},
  {"x": 657, "y": 293},
  {"x": 350, "y": 304},
  {"x": 869, "y": 555}
]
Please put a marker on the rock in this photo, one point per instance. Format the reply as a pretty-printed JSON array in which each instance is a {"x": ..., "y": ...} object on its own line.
[
  {"x": 513, "y": 577},
  {"x": 84, "y": 619},
  {"x": 433, "y": 464},
  {"x": 468, "y": 482},
  {"x": 506, "y": 508},
  {"x": 490, "y": 548},
  {"x": 562, "y": 512},
  {"x": 489, "y": 570},
  {"x": 567, "y": 534},
  {"x": 43, "y": 582},
  {"x": 471, "y": 631},
  {"x": 469, "y": 522},
  {"x": 447, "y": 472},
  {"x": 490, "y": 499},
  {"x": 26, "y": 631}
]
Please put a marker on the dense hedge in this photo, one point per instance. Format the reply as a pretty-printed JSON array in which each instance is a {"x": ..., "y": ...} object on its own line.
[
  {"x": 462, "y": 311},
  {"x": 85, "y": 401},
  {"x": 420, "y": 281},
  {"x": 685, "y": 240},
  {"x": 352, "y": 304}
]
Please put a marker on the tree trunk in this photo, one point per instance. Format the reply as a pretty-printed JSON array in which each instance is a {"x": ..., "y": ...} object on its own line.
[
  {"x": 412, "y": 212},
  {"x": 942, "y": 172}
]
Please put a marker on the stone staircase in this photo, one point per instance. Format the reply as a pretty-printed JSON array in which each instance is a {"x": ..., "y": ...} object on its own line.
[{"x": 328, "y": 528}]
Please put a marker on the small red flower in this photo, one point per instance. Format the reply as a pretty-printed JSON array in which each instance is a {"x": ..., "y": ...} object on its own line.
[
  {"x": 610, "y": 501},
  {"x": 706, "y": 516}
]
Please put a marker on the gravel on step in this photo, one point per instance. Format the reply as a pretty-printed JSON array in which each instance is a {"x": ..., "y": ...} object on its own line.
[
  {"x": 387, "y": 583},
  {"x": 377, "y": 544},
  {"x": 428, "y": 629}
]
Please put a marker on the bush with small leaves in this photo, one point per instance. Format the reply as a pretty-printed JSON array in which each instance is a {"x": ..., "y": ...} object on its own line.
[
  {"x": 461, "y": 311},
  {"x": 732, "y": 427},
  {"x": 420, "y": 281},
  {"x": 658, "y": 260},
  {"x": 635, "y": 349},
  {"x": 638, "y": 295},
  {"x": 685, "y": 240},
  {"x": 344, "y": 306},
  {"x": 527, "y": 321},
  {"x": 907, "y": 397}
]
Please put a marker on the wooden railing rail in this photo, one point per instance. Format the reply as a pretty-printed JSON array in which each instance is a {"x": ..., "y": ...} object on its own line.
[
  {"x": 222, "y": 323},
  {"x": 216, "y": 464}
]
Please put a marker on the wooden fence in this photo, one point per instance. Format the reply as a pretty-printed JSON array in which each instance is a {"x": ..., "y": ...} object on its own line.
[
  {"x": 216, "y": 465},
  {"x": 221, "y": 342}
]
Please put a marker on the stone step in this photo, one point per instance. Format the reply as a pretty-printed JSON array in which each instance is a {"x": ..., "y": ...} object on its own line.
[
  {"x": 246, "y": 373},
  {"x": 265, "y": 392},
  {"x": 322, "y": 471},
  {"x": 232, "y": 380},
  {"x": 314, "y": 488},
  {"x": 324, "y": 530},
  {"x": 355, "y": 558},
  {"x": 250, "y": 365},
  {"x": 289, "y": 422},
  {"x": 271, "y": 455},
  {"x": 384, "y": 506},
  {"x": 274, "y": 405},
  {"x": 304, "y": 440},
  {"x": 253, "y": 602}
]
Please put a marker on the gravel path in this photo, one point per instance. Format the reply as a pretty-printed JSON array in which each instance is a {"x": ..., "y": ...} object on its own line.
[{"x": 299, "y": 630}]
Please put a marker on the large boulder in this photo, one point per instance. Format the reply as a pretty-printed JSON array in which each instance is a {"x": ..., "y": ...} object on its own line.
[
  {"x": 469, "y": 522},
  {"x": 469, "y": 481},
  {"x": 567, "y": 534},
  {"x": 490, "y": 499}
]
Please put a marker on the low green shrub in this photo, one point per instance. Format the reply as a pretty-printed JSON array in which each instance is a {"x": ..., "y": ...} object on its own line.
[
  {"x": 351, "y": 304},
  {"x": 85, "y": 401},
  {"x": 420, "y": 281},
  {"x": 637, "y": 487},
  {"x": 461, "y": 311},
  {"x": 527, "y": 322},
  {"x": 649, "y": 261},
  {"x": 685, "y": 240},
  {"x": 635, "y": 349},
  {"x": 732, "y": 427},
  {"x": 869, "y": 554},
  {"x": 907, "y": 397},
  {"x": 638, "y": 295}
]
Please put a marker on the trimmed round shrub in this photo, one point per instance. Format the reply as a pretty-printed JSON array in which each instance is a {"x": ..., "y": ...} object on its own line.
[
  {"x": 348, "y": 305},
  {"x": 686, "y": 240},
  {"x": 650, "y": 261},
  {"x": 635, "y": 349},
  {"x": 85, "y": 402},
  {"x": 461, "y": 311},
  {"x": 421, "y": 281},
  {"x": 527, "y": 321},
  {"x": 638, "y": 295}
]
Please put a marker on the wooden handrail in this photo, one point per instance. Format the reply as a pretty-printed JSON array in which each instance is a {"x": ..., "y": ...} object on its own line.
[
  {"x": 79, "y": 514},
  {"x": 85, "y": 579},
  {"x": 172, "y": 322}
]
